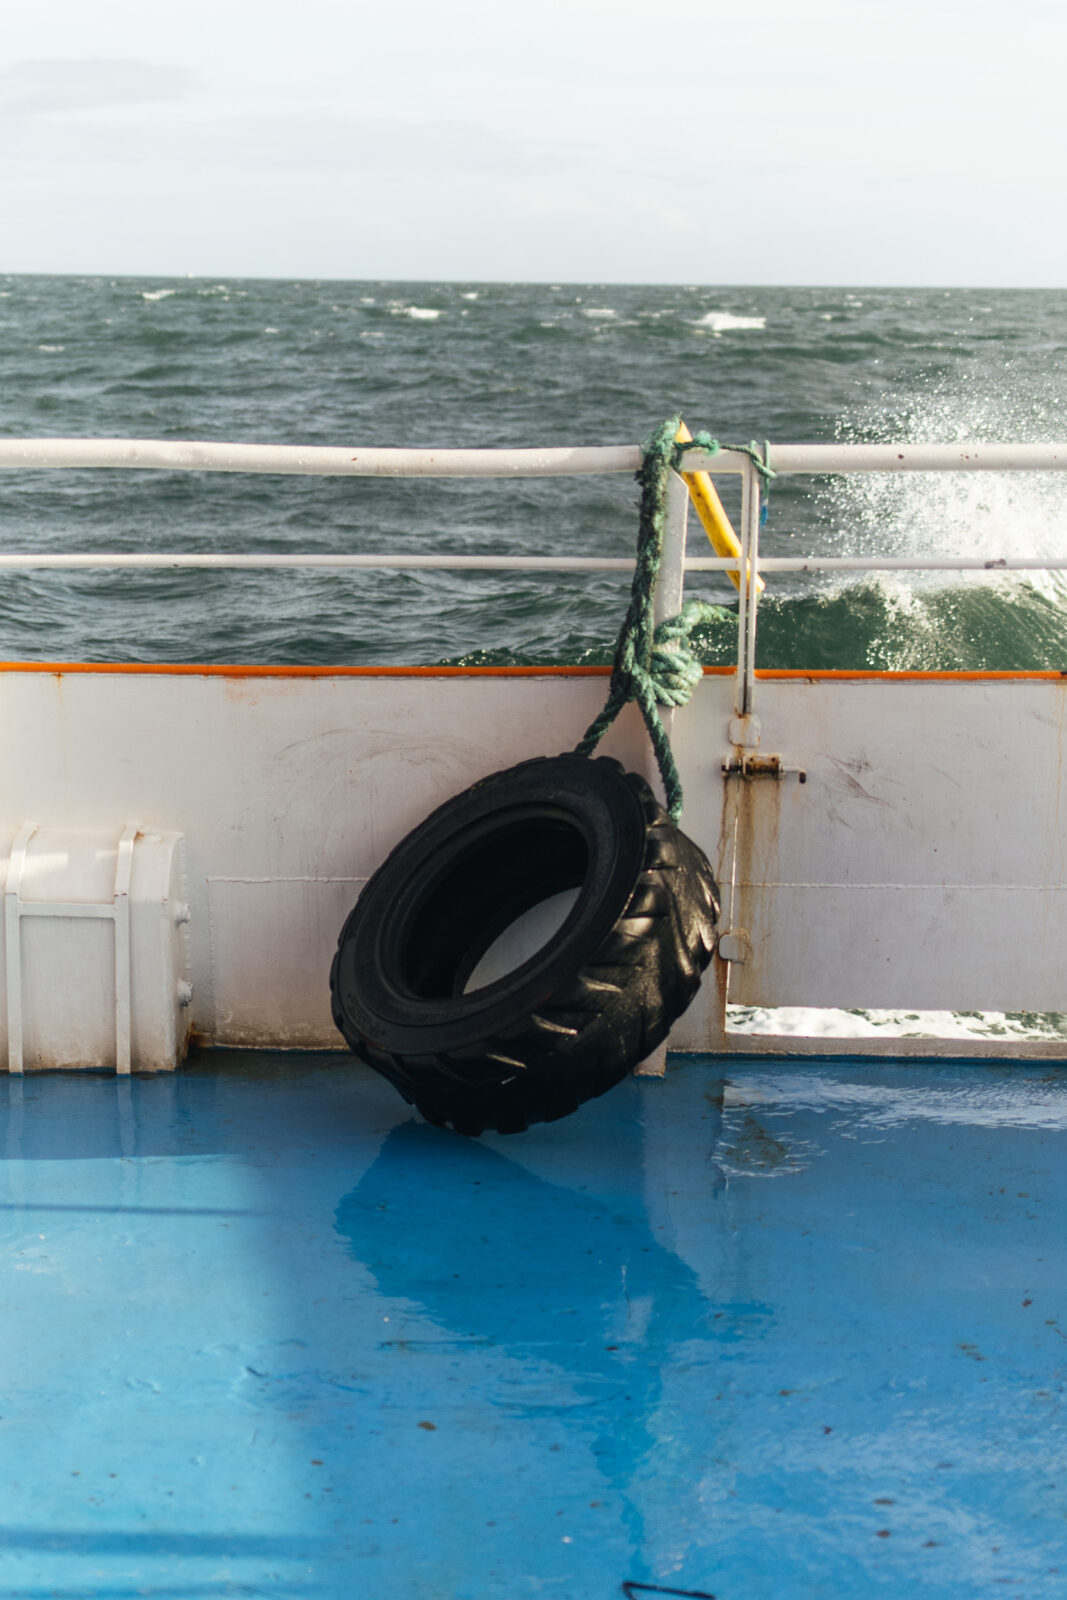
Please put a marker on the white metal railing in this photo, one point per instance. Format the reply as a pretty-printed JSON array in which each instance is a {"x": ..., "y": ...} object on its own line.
[
  {"x": 328, "y": 461},
  {"x": 191, "y": 455},
  {"x": 317, "y": 461}
]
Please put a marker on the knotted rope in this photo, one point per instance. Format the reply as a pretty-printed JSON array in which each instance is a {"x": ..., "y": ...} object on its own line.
[
  {"x": 760, "y": 459},
  {"x": 655, "y": 665}
]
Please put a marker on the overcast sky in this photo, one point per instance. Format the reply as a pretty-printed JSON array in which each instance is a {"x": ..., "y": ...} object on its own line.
[{"x": 837, "y": 142}]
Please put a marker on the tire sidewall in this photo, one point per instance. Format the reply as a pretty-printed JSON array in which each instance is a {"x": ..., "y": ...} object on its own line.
[{"x": 380, "y": 1010}]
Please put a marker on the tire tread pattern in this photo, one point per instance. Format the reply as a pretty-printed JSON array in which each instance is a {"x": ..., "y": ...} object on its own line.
[{"x": 599, "y": 1026}]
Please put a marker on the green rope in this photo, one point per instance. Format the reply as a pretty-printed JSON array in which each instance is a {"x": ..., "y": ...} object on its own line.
[
  {"x": 656, "y": 666},
  {"x": 760, "y": 459}
]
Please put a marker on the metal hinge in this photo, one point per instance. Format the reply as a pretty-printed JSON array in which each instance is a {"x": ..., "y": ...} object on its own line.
[{"x": 755, "y": 766}]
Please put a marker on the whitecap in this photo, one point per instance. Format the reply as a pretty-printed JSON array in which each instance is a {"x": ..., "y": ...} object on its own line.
[
  {"x": 598, "y": 311},
  {"x": 51, "y": 349},
  {"x": 725, "y": 321},
  {"x": 157, "y": 294},
  {"x": 417, "y": 313},
  {"x": 270, "y": 330},
  {"x": 471, "y": 294}
]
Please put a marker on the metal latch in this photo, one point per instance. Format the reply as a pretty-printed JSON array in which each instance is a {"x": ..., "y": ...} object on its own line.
[{"x": 757, "y": 766}]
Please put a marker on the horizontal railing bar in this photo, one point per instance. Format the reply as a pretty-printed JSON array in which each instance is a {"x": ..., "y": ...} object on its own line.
[
  {"x": 328, "y": 461},
  {"x": 487, "y": 563},
  {"x": 767, "y": 564},
  {"x": 493, "y": 563},
  {"x": 189, "y": 455},
  {"x": 844, "y": 458}
]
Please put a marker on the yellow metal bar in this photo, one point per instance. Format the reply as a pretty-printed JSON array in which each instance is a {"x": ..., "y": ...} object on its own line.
[{"x": 712, "y": 514}]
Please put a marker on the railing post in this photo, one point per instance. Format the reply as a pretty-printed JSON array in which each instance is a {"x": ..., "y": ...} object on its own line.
[
  {"x": 667, "y": 602},
  {"x": 745, "y": 687},
  {"x": 752, "y": 584}
]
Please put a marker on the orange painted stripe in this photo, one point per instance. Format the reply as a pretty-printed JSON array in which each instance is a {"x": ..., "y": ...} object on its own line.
[
  {"x": 845, "y": 673},
  {"x": 770, "y": 674}
]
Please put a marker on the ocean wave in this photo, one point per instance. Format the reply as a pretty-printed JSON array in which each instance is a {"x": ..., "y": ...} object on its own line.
[
  {"x": 157, "y": 294},
  {"x": 985, "y": 515},
  {"x": 599, "y": 311},
  {"x": 416, "y": 313}
]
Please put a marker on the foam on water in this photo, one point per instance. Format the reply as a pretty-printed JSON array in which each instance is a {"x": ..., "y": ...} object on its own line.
[
  {"x": 725, "y": 322},
  {"x": 959, "y": 514},
  {"x": 832, "y": 1023},
  {"x": 956, "y": 619}
]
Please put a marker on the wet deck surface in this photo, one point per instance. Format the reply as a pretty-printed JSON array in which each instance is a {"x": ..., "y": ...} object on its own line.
[{"x": 798, "y": 1333}]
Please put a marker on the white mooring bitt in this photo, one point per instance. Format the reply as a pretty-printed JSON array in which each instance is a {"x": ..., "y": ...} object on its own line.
[{"x": 95, "y": 958}]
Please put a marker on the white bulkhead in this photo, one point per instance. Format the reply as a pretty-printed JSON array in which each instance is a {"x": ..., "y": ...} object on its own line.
[{"x": 922, "y": 862}]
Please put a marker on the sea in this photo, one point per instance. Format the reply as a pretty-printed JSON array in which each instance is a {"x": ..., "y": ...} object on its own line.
[{"x": 519, "y": 364}]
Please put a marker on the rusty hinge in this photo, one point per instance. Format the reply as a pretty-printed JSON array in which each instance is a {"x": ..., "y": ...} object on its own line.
[{"x": 756, "y": 766}]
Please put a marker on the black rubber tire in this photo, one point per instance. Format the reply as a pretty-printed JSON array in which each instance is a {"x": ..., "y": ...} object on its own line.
[{"x": 573, "y": 1019}]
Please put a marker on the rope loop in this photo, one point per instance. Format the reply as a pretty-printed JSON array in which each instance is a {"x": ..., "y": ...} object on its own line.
[
  {"x": 655, "y": 666},
  {"x": 760, "y": 459}
]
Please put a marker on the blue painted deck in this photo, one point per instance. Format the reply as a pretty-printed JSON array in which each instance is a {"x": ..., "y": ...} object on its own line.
[{"x": 802, "y": 1335}]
